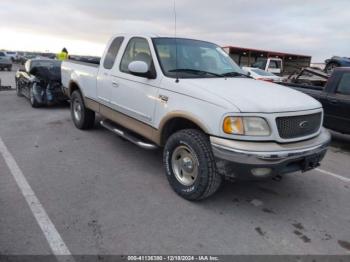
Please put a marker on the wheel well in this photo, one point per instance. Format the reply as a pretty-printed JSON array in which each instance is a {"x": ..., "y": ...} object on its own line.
[
  {"x": 72, "y": 87},
  {"x": 176, "y": 124}
]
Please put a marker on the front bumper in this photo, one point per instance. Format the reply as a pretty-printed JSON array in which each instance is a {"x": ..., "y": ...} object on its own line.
[{"x": 249, "y": 160}]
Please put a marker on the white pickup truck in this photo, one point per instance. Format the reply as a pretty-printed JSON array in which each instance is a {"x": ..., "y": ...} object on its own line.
[{"x": 189, "y": 98}]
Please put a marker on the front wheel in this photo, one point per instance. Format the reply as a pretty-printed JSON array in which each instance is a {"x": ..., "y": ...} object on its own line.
[
  {"x": 83, "y": 117},
  {"x": 190, "y": 165}
]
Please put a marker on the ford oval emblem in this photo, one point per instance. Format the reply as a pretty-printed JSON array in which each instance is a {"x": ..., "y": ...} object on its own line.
[{"x": 303, "y": 124}]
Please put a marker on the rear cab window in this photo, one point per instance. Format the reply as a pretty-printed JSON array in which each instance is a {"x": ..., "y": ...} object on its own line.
[{"x": 112, "y": 52}]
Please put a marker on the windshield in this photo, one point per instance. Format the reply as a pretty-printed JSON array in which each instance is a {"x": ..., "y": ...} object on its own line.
[{"x": 194, "y": 59}]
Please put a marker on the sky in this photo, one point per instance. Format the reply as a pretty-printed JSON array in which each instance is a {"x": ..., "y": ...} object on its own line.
[{"x": 319, "y": 28}]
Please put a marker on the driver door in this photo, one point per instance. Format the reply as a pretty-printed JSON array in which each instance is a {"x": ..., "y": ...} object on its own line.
[{"x": 133, "y": 95}]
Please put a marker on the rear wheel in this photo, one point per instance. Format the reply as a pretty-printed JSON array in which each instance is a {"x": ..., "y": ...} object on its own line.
[
  {"x": 83, "y": 117},
  {"x": 190, "y": 165}
]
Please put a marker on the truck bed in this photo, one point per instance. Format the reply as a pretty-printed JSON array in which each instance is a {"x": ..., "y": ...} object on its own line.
[{"x": 85, "y": 72}]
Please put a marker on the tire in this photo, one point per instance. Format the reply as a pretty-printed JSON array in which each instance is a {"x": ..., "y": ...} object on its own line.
[
  {"x": 9, "y": 69},
  {"x": 190, "y": 165},
  {"x": 18, "y": 90},
  {"x": 330, "y": 67},
  {"x": 83, "y": 117},
  {"x": 33, "y": 102}
]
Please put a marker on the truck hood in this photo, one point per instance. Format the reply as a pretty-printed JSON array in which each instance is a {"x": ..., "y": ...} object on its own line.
[{"x": 249, "y": 95}]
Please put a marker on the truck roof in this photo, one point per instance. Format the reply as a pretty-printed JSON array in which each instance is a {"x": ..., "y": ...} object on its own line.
[
  {"x": 144, "y": 34},
  {"x": 153, "y": 35}
]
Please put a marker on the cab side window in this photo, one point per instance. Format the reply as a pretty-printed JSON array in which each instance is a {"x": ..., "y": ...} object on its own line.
[
  {"x": 137, "y": 50},
  {"x": 112, "y": 52},
  {"x": 275, "y": 64},
  {"x": 344, "y": 84}
]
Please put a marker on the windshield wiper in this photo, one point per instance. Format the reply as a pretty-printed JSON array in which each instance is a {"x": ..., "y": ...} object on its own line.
[
  {"x": 234, "y": 74},
  {"x": 194, "y": 71}
]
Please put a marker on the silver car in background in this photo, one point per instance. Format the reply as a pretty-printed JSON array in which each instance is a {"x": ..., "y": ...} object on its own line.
[
  {"x": 260, "y": 74},
  {"x": 5, "y": 62}
]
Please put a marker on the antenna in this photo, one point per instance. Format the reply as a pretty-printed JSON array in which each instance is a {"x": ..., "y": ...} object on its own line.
[{"x": 175, "y": 34}]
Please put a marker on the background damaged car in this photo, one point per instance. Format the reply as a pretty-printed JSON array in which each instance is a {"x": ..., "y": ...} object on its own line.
[{"x": 40, "y": 82}]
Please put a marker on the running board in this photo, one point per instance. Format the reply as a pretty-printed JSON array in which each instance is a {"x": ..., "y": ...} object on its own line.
[{"x": 126, "y": 135}]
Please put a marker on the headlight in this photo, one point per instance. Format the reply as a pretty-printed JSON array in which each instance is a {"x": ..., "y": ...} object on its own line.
[{"x": 249, "y": 126}]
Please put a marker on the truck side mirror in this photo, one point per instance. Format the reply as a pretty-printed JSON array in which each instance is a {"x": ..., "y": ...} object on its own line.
[{"x": 139, "y": 68}]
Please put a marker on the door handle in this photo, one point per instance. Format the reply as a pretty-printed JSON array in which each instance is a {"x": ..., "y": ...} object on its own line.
[
  {"x": 333, "y": 101},
  {"x": 115, "y": 84}
]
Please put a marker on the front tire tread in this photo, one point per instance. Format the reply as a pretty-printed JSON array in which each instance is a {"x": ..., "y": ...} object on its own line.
[{"x": 196, "y": 138}]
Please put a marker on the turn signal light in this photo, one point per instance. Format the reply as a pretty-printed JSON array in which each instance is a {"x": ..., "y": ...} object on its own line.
[{"x": 233, "y": 125}]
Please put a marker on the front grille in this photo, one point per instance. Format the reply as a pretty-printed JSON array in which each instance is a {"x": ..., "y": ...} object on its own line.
[{"x": 298, "y": 126}]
